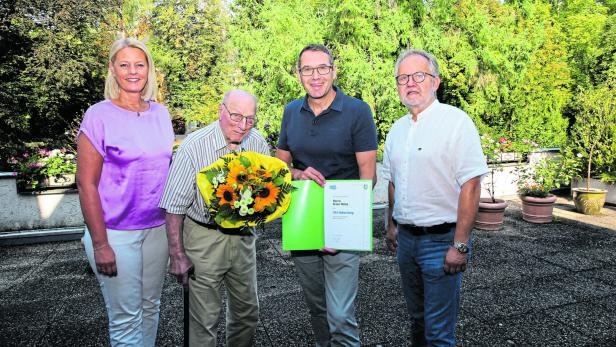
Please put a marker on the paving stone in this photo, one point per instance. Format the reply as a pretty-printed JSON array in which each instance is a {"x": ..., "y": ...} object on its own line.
[
  {"x": 538, "y": 329},
  {"x": 528, "y": 285}
]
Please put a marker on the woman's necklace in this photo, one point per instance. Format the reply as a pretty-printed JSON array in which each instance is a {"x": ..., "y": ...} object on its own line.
[{"x": 143, "y": 105}]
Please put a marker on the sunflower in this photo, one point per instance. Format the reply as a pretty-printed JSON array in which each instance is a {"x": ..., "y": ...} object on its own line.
[
  {"x": 266, "y": 196},
  {"x": 238, "y": 175},
  {"x": 263, "y": 173},
  {"x": 226, "y": 194}
]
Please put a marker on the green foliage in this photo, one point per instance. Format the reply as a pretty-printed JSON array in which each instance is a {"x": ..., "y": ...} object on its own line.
[
  {"x": 583, "y": 23},
  {"x": 501, "y": 63},
  {"x": 594, "y": 131},
  {"x": 189, "y": 47},
  {"x": 50, "y": 68},
  {"x": 366, "y": 38},
  {"x": 499, "y": 150},
  {"x": 267, "y": 51},
  {"x": 513, "y": 67},
  {"x": 538, "y": 179},
  {"x": 608, "y": 177},
  {"x": 35, "y": 164}
]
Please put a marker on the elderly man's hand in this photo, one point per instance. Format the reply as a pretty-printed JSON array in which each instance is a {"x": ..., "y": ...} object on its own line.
[{"x": 179, "y": 267}]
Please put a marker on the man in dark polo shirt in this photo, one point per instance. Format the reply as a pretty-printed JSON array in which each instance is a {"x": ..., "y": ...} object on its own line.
[{"x": 328, "y": 135}]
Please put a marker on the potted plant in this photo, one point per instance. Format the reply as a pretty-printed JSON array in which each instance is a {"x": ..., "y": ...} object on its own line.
[
  {"x": 535, "y": 181},
  {"x": 491, "y": 212},
  {"x": 594, "y": 135},
  {"x": 43, "y": 168},
  {"x": 59, "y": 167}
]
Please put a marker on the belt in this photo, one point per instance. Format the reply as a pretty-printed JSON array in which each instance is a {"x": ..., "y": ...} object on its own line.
[
  {"x": 243, "y": 231},
  {"x": 434, "y": 229}
]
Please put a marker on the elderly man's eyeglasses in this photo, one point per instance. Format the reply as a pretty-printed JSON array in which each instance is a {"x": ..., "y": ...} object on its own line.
[
  {"x": 417, "y": 77},
  {"x": 238, "y": 117},
  {"x": 322, "y": 70}
]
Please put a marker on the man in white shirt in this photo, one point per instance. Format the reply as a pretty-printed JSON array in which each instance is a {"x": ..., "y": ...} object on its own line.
[{"x": 434, "y": 164}]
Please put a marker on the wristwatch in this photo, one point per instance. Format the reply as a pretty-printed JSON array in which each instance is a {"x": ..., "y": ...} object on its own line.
[{"x": 460, "y": 247}]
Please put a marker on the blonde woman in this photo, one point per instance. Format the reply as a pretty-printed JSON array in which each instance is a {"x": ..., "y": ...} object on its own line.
[{"x": 124, "y": 150}]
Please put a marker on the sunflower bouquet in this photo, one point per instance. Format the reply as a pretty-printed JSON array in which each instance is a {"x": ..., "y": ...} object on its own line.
[{"x": 245, "y": 189}]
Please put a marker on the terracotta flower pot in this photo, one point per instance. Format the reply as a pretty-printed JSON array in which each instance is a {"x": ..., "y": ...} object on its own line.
[
  {"x": 589, "y": 201},
  {"x": 537, "y": 210},
  {"x": 490, "y": 215}
]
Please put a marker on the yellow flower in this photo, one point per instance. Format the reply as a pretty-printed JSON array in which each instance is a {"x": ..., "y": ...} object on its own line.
[
  {"x": 264, "y": 181},
  {"x": 238, "y": 175},
  {"x": 266, "y": 197},
  {"x": 226, "y": 194}
]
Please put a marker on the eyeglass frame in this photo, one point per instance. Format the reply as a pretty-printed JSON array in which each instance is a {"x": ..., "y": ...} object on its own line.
[
  {"x": 413, "y": 77},
  {"x": 233, "y": 116},
  {"x": 313, "y": 69}
]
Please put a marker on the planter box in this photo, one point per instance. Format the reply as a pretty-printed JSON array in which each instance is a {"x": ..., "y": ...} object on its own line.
[
  {"x": 62, "y": 180},
  {"x": 37, "y": 209},
  {"x": 595, "y": 183},
  {"x": 508, "y": 158},
  {"x": 505, "y": 181}
]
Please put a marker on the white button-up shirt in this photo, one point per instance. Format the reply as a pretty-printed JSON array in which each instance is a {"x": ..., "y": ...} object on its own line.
[{"x": 428, "y": 161}]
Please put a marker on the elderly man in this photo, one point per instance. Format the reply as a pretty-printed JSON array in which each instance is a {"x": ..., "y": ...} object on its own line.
[
  {"x": 434, "y": 164},
  {"x": 217, "y": 254},
  {"x": 327, "y": 135}
]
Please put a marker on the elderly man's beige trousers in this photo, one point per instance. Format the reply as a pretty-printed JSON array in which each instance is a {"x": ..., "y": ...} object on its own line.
[{"x": 218, "y": 257}]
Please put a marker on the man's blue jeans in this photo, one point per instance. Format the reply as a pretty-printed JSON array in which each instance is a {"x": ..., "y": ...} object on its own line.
[{"x": 432, "y": 297}]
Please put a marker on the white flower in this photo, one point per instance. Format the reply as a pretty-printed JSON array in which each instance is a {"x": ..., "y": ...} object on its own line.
[
  {"x": 579, "y": 155},
  {"x": 246, "y": 196},
  {"x": 70, "y": 156},
  {"x": 54, "y": 153},
  {"x": 247, "y": 193},
  {"x": 243, "y": 211}
]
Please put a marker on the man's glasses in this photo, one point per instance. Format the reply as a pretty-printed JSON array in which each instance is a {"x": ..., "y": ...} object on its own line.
[
  {"x": 417, "y": 77},
  {"x": 322, "y": 70},
  {"x": 238, "y": 117}
]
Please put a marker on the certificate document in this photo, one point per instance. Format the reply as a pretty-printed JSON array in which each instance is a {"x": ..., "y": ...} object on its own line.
[
  {"x": 338, "y": 216},
  {"x": 347, "y": 215}
]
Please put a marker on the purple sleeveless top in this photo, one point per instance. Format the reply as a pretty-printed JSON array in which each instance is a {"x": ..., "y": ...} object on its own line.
[{"x": 136, "y": 150}]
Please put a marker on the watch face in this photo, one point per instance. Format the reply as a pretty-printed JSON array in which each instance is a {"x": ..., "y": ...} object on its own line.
[{"x": 461, "y": 247}]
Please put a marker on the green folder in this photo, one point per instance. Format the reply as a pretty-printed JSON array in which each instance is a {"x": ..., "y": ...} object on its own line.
[{"x": 303, "y": 226}]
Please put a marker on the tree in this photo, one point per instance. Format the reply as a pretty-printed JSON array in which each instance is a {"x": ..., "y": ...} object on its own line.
[
  {"x": 190, "y": 48},
  {"x": 594, "y": 133},
  {"x": 267, "y": 48},
  {"x": 52, "y": 68}
]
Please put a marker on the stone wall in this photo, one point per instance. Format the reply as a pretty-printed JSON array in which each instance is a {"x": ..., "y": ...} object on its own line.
[
  {"x": 37, "y": 210},
  {"x": 60, "y": 208}
]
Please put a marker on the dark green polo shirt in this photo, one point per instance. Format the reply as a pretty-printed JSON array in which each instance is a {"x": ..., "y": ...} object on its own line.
[{"x": 328, "y": 142}]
